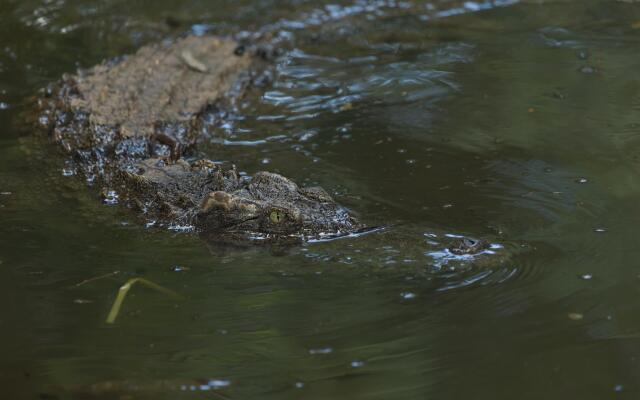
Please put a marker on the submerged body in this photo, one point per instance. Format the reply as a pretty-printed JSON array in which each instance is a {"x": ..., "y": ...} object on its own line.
[{"x": 131, "y": 126}]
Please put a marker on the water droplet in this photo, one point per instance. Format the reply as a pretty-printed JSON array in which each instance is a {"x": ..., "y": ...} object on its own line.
[
  {"x": 357, "y": 364},
  {"x": 586, "y": 277},
  {"x": 408, "y": 295}
]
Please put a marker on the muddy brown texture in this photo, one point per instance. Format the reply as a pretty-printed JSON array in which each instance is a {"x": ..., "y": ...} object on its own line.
[
  {"x": 131, "y": 127},
  {"x": 161, "y": 83}
]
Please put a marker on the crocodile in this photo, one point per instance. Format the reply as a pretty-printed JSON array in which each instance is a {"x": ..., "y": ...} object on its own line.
[{"x": 131, "y": 126}]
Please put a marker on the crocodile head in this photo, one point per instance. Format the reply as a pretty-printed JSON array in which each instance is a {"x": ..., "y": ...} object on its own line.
[{"x": 269, "y": 206}]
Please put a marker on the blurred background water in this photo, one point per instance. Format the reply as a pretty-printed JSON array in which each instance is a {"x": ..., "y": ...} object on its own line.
[{"x": 518, "y": 121}]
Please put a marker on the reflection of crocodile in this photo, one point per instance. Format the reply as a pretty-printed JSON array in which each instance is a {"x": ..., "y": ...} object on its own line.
[{"x": 131, "y": 125}]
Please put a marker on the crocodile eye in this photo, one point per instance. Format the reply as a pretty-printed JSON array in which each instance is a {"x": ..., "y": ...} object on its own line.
[{"x": 276, "y": 216}]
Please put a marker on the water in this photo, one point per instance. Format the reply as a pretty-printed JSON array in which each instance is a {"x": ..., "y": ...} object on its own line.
[{"x": 514, "y": 121}]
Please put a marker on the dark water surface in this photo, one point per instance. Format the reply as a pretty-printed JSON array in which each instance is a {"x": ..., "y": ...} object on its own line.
[{"x": 515, "y": 121}]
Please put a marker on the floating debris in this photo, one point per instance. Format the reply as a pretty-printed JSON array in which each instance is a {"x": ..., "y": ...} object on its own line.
[
  {"x": 575, "y": 316},
  {"x": 124, "y": 289},
  {"x": 95, "y": 278}
]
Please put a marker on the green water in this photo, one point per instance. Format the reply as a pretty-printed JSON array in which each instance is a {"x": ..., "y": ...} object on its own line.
[{"x": 519, "y": 122}]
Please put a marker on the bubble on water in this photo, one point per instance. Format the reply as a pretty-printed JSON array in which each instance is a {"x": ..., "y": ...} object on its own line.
[
  {"x": 357, "y": 364},
  {"x": 322, "y": 350},
  {"x": 600, "y": 230},
  {"x": 618, "y": 388},
  {"x": 582, "y": 180},
  {"x": 408, "y": 295},
  {"x": 586, "y": 277},
  {"x": 299, "y": 385},
  {"x": 265, "y": 160},
  {"x": 411, "y": 161}
]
